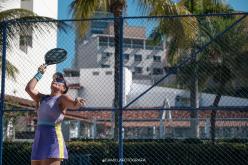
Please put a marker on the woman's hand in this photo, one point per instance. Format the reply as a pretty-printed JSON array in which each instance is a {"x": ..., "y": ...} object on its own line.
[
  {"x": 79, "y": 102},
  {"x": 67, "y": 102},
  {"x": 42, "y": 69}
]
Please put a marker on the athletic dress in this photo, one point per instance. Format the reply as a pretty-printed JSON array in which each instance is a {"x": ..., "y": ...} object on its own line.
[{"x": 49, "y": 141}]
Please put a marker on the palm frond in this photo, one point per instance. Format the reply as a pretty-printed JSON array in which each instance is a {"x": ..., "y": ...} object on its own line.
[
  {"x": 11, "y": 70},
  {"x": 85, "y": 9},
  {"x": 15, "y": 14},
  {"x": 154, "y": 7},
  {"x": 206, "y": 6},
  {"x": 180, "y": 32}
]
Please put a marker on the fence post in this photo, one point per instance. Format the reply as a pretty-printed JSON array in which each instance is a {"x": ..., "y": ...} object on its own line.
[
  {"x": 4, "y": 47},
  {"x": 194, "y": 99},
  {"x": 120, "y": 89}
]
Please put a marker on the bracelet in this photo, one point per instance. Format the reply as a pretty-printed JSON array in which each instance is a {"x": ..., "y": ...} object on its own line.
[{"x": 38, "y": 76}]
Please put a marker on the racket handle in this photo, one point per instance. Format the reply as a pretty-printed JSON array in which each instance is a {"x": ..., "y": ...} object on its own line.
[{"x": 42, "y": 68}]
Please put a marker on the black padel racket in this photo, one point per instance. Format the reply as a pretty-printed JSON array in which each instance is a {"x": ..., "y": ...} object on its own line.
[{"x": 55, "y": 56}]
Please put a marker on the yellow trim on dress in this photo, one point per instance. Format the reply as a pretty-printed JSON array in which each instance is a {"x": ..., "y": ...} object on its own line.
[{"x": 60, "y": 139}]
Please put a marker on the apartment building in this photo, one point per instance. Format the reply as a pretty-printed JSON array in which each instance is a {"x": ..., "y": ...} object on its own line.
[{"x": 145, "y": 60}]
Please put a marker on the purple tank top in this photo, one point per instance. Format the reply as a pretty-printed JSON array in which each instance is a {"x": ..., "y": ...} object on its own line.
[{"x": 49, "y": 112}]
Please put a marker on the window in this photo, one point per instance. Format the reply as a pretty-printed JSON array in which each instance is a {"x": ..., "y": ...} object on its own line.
[
  {"x": 105, "y": 66},
  {"x": 127, "y": 43},
  {"x": 138, "y": 44},
  {"x": 25, "y": 40},
  {"x": 106, "y": 55},
  {"x": 157, "y": 71},
  {"x": 111, "y": 41},
  {"x": 156, "y": 58},
  {"x": 126, "y": 57},
  {"x": 108, "y": 73},
  {"x": 138, "y": 69},
  {"x": 72, "y": 73},
  {"x": 75, "y": 74},
  {"x": 137, "y": 57},
  {"x": 103, "y": 41},
  {"x": 95, "y": 73}
]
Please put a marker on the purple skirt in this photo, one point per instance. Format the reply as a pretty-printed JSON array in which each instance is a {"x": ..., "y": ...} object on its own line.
[{"x": 48, "y": 143}]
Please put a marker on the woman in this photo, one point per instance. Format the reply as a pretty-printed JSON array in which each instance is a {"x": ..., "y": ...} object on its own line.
[{"x": 49, "y": 146}]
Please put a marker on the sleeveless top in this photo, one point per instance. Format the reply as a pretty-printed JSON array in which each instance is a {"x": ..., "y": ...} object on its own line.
[{"x": 49, "y": 112}]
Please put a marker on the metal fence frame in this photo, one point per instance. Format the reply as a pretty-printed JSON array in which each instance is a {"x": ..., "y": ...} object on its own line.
[{"x": 120, "y": 107}]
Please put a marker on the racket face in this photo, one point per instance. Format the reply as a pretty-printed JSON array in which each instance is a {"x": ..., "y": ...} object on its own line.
[{"x": 55, "y": 56}]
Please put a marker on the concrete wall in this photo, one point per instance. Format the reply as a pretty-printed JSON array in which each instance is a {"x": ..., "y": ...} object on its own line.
[
  {"x": 9, "y": 4},
  {"x": 48, "y": 8},
  {"x": 98, "y": 86}
]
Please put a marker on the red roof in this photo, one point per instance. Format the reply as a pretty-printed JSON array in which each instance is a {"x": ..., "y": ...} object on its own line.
[
  {"x": 20, "y": 102},
  {"x": 141, "y": 118},
  {"x": 147, "y": 118}
]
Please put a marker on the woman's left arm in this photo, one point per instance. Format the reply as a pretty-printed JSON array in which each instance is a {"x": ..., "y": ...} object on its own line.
[{"x": 67, "y": 102}]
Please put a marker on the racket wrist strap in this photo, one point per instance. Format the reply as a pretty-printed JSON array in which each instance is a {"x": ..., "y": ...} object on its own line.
[{"x": 38, "y": 76}]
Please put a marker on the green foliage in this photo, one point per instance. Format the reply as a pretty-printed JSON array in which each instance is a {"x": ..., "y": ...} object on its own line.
[
  {"x": 168, "y": 151},
  {"x": 15, "y": 153}
]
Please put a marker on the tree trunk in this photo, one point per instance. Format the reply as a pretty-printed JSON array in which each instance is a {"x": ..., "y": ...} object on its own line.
[
  {"x": 117, "y": 8},
  {"x": 223, "y": 78},
  {"x": 214, "y": 111},
  {"x": 194, "y": 91},
  {"x": 194, "y": 100}
]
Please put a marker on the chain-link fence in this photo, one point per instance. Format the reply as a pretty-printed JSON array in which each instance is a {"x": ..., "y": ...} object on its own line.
[{"x": 159, "y": 90}]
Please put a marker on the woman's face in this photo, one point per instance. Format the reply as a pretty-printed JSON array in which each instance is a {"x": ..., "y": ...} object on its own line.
[{"x": 58, "y": 84}]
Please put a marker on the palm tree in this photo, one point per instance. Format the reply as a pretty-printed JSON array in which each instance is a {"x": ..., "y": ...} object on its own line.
[
  {"x": 178, "y": 45},
  {"x": 228, "y": 51},
  {"x": 224, "y": 68},
  {"x": 221, "y": 68},
  {"x": 198, "y": 7},
  {"x": 222, "y": 63}
]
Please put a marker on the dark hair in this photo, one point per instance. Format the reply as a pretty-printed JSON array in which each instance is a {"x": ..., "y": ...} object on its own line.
[{"x": 59, "y": 75}]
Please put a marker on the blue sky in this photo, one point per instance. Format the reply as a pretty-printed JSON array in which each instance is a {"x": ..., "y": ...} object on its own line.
[
  {"x": 240, "y": 5},
  {"x": 67, "y": 40}
]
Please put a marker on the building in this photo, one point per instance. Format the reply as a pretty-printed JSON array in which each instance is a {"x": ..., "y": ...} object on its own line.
[
  {"x": 28, "y": 50},
  {"x": 145, "y": 60},
  {"x": 97, "y": 84},
  {"x": 98, "y": 26}
]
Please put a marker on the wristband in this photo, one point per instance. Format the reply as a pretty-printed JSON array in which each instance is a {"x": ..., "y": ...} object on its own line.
[{"x": 38, "y": 76}]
